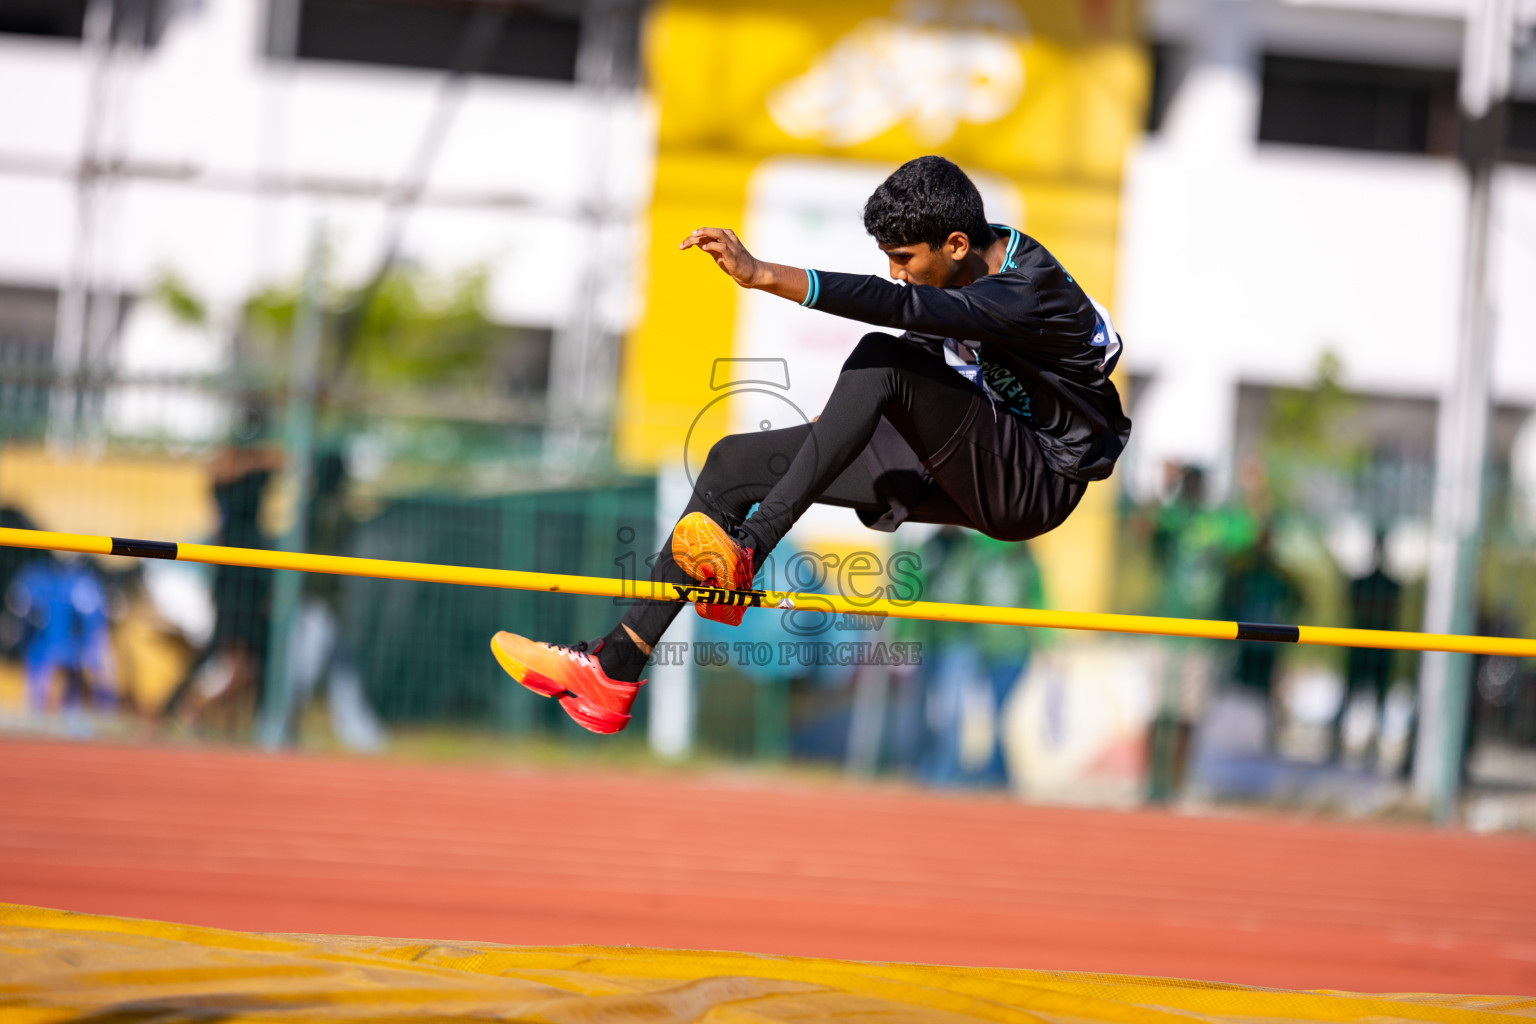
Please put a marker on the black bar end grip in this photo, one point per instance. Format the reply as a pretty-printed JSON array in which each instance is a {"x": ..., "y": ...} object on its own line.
[
  {"x": 143, "y": 548},
  {"x": 1268, "y": 633}
]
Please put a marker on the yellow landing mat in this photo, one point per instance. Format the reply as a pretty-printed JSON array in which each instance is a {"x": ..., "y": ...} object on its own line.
[{"x": 59, "y": 966}]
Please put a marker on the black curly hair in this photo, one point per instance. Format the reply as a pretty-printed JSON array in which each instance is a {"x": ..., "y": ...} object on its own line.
[{"x": 925, "y": 200}]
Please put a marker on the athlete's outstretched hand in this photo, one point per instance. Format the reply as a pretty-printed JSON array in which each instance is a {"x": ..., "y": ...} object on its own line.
[
  {"x": 728, "y": 252},
  {"x": 744, "y": 268}
]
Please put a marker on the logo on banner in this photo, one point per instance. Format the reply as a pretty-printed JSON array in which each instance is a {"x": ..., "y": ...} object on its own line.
[{"x": 929, "y": 66}]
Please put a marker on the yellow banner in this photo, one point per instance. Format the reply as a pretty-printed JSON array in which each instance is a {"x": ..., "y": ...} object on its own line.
[
  {"x": 1047, "y": 90},
  {"x": 1041, "y": 98}
]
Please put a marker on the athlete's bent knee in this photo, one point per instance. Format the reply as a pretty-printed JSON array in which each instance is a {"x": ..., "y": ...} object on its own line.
[
  {"x": 727, "y": 451},
  {"x": 873, "y": 350}
]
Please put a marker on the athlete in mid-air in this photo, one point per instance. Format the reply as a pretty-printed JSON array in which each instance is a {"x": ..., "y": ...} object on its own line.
[{"x": 992, "y": 411}]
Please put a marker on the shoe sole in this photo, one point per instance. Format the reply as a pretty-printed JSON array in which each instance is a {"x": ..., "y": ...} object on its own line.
[
  {"x": 703, "y": 545},
  {"x": 544, "y": 686},
  {"x": 701, "y": 556}
]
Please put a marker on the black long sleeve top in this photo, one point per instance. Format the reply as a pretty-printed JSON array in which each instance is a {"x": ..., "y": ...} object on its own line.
[{"x": 1044, "y": 350}]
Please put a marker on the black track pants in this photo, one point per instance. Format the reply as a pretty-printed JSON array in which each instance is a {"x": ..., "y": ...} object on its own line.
[{"x": 933, "y": 449}]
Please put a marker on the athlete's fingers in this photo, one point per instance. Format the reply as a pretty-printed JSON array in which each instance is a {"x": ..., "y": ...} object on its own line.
[
  {"x": 724, "y": 248},
  {"x": 698, "y": 235}
]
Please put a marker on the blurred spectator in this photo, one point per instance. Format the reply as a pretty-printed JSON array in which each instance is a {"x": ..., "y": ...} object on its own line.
[
  {"x": 970, "y": 669},
  {"x": 229, "y": 671},
  {"x": 1007, "y": 576},
  {"x": 62, "y": 607},
  {"x": 1171, "y": 531},
  {"x": 1193, "y": 548},
  {"x": 318, "y": 657},
  {"x": 1256, "y": 589},
  {"x": 1493, "y": 695},
  {"x": 1375, "y": 602},
  {"x": 949, "y": 660},
  {"x": 12, "y": 561},
  {"x": 1192, "y": 545}
]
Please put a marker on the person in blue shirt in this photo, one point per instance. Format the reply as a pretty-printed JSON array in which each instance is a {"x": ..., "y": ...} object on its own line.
[{"x": 65, "y": 632}]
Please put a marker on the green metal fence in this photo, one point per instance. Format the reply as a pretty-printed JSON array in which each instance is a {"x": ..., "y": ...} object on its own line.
[{"x": 423, "y": 647}]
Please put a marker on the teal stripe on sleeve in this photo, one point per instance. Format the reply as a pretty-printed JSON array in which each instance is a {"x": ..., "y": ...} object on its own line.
[{"x": 813, "y": 289}]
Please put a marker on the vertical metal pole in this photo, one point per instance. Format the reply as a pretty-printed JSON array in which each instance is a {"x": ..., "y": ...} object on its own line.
[
  {"x": 72, "y": 326},
  {"x": 583, "y": 360},
  {"x": 128, "y": 38},
  {"x": 866, "y": 726},
  {"x": 298, "y": 449},
  {"x": 1163, "y": 769},
  {"x": 1462, "y": 434},
  {"x": 277, "y": 73},
  {"x": 479, "y": 38},
  {"x": 672, "y": 680},
  {"x": 476, "y": 43}
]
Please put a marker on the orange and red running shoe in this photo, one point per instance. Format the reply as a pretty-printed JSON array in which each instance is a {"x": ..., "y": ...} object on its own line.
[
  {"x": 703, "y": 550},
  {"x": 571, "y": 675}
]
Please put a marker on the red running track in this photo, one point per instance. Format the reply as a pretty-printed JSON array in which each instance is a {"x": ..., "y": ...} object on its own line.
[{"x": 296, "y": 843}]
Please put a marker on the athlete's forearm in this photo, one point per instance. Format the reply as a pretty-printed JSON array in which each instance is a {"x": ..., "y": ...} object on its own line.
[
  {"x": 777, "y": 279},
  {"x": 745, "y": 269}
]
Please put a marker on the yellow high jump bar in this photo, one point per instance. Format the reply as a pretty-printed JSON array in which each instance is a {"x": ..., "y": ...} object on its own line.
[{"x": 597, "y": 586}]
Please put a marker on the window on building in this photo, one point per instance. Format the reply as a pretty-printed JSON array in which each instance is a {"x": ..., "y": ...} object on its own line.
[
  {"x": 1520, "y": 131},
  {"x": 1167, "y": 73},
  {"x": 523, "y": 361},
  {"x": 62, "y": 19},
  {"x": 134, "y": 22},
  {"x": 26, "y": 357},
  {"x": 1358, "y": 106},
  {"x": 533, "y": 43}
]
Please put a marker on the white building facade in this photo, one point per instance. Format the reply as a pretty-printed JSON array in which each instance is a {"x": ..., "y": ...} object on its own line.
[
  {"x": 1269, "y": 219},
  {"x": 210, "y": 140}
]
